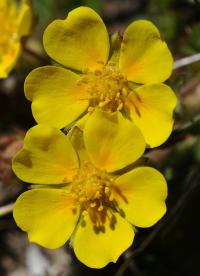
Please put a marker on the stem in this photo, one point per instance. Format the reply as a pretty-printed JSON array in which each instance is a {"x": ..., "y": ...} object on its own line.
[
  {"x": 6, "y": 209},
  {"x": 37, "y": 56},
  {"x": 186, "y": 61}
]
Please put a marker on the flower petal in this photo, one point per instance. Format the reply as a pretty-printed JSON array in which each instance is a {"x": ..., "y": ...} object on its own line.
[
  {"x": 47, "y": 157},
  {"x": 145, "y": 57},
  {"x": 57, "y": 100},
  {"x": 80, "y": 41},
  {"x": 9, "y": 58},
  {"x": 24, "y": 20},
  {"x": 151, "y": 109},
  {"x": 141, "y": 195},
  {"x": 48, "y": 215},
  {"x": 109, "y": 137},
  {"x": 97, "y": 246}
]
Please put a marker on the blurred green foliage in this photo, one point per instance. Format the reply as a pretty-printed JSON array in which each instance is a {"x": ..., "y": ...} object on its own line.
[{"x": 43, "y": 10}]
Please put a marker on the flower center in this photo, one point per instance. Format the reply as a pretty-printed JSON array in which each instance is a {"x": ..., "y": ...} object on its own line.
[
  {"x": 8, "y": 17},
  {"x": 107, "y": 88},
  {"x": 92, "y": 188}
]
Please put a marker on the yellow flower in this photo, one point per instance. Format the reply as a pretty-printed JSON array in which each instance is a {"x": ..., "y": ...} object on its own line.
[
  {"x": 103, "y": 76},
  {"x": 15, "y": 18},
  {"x": 82, "y": 192}
]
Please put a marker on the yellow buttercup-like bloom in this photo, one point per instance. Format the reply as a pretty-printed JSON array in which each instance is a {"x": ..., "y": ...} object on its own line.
[
  {"x": 119, "y": 75},
  {"x": 15, "y": 18},
  {"x": 82, "y": 192}
]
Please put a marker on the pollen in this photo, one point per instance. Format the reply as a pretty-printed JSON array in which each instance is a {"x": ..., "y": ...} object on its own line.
[
  {"x": 107, "y": 88},
  {"x": 92, "y": 188}
]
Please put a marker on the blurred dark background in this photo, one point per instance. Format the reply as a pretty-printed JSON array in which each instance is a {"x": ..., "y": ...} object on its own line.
[{"x": 172, "y": 247}]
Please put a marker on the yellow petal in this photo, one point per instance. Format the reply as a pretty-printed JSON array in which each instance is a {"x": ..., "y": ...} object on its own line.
[
  {"x": 57, "y": 100},
  {"x": 3, "y": 3},
  {"x": 47, "y": 157},
  {"x": 145, "y": 57},
  {"x": 48, "y": 215},
  {"x": 97, "y": 246},
  {"x": 151, "y": 109},
  {"x": 141, "y": 195},
  {"x": 24, "y": 20},
  {"x": 9, "y": 58},
  {"x": 80, "y": 41},
  {"x": 109, "y": 137}
]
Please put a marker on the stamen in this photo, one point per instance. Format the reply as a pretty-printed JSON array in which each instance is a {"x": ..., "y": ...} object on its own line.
[
  {"x": 104, "y": 103},
  {"x": 85, "y": 213},
  {"x": 100, "y": 208},
  {"x": 107, "y": 191},
  {"x": 97, "y": 194},
  {"x": 93, "y": 204},
  {"x": 108, "y": 89},
  {"x": 90, "y": 109},
  {"x": 118, "y": 95},
  {"x": 124, "y": 92},
  {"x": 82, "y": 199},
  {"x": 120, "y": 106},
  {"x": 92, "y": 188},
  {"x": 111, "y": 197}
]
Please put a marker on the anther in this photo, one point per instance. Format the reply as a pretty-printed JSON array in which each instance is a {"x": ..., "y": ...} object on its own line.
[
  {"x": 107, "y": 191},
  {"x": 102, "y": 96},
  {"x": 97, "y": 194},
  {"x": 120, "y": 106},
  {"x": 100, "y": 208},
  {"x": 124, "y": 92},
  {"x": 85, "y": 213},
  {"x": 90, "y": 109},
  {"x": 102, "y": 104},
  {"x": 74, "y": 196},
  {"x": 111, "y": 197},
  {"x": 82, "y": 199},
  {"x": 93, "y": 204},
  {"x": 118, "y": 95}
]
